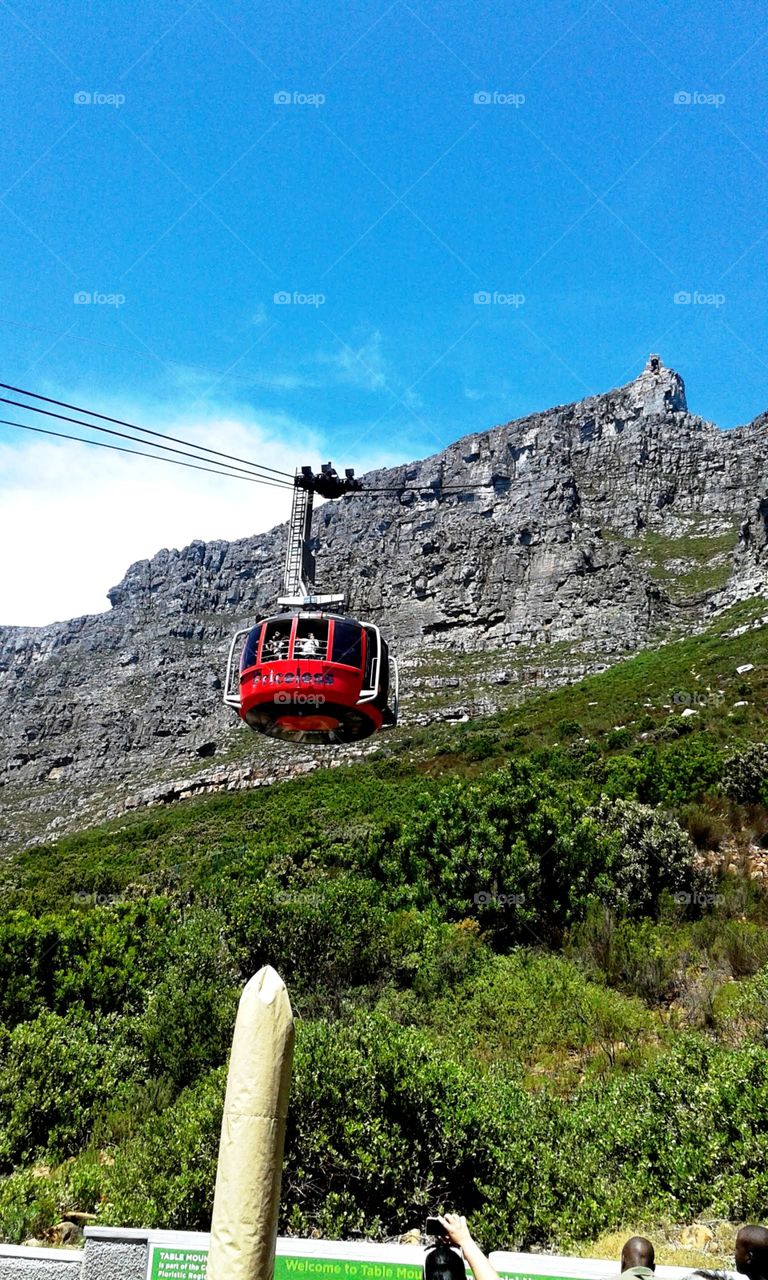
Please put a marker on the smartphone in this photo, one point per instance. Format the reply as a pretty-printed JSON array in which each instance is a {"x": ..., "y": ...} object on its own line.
[{"x": 434, "y": 1227}]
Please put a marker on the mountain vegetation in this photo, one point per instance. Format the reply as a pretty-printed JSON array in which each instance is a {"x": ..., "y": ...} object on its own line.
[{"x": 528, "y": 957}]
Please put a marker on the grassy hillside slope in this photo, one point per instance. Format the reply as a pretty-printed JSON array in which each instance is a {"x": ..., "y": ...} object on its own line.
[{"x": 528, "y": 955}]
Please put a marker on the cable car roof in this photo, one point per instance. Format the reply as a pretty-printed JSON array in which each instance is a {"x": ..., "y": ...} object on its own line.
[{"x": 316, "y": 615}]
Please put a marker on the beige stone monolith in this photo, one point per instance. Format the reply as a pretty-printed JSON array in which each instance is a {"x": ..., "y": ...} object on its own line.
[{"x": 247, "y": 1196}]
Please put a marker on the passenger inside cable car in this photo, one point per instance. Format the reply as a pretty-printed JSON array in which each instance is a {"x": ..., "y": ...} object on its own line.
[
  {"x": 311, "y": 638},
  {"x": 277, "y": 639}
]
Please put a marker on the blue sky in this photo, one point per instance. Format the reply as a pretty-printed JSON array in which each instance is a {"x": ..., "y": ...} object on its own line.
[{"x": 148, "y": 164}]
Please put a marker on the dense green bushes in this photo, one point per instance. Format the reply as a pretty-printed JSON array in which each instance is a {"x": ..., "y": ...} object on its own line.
[
  {"x": 530, "y": 1008},
  {"x": 446, "y": 1053},
  {"x": 527, "y": 855},
  {"x": 385, "y": 1126},
  {"x": 324, "y": 932},
  {"x": 165, "y": 1172},
  {"x": 102, "y": 959},
  {"x": 746, "y": 774},
  {"x": 54, "y": 1073}
]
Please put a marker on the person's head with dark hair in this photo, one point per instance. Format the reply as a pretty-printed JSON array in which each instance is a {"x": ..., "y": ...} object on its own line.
[
  {"x": 751, "y": 1252},
  {"x": 443, "y": 1263},
  {"x": 638, "y": 1256}
]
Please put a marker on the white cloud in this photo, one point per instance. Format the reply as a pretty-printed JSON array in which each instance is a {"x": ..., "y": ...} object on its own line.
[
  {"x": 363, "y": 365},
  {"x": 73, "y": 518}
]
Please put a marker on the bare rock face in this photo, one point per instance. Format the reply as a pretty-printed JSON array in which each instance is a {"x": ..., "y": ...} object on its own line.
[
  {"x": 751, "y": 559},
  {"x": 600, "y": 524}
]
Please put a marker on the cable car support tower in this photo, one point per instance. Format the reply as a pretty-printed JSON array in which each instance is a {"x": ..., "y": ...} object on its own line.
[{"x": 299, "y": 575}]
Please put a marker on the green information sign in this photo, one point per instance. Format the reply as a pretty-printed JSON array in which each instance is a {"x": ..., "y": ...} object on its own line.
[
  {"x": 167, "y": 1263},
  {"x": 344, "y": 1269}
]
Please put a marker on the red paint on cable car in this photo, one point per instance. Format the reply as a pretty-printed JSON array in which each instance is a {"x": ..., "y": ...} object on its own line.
[{"x": 314, "y": 677}]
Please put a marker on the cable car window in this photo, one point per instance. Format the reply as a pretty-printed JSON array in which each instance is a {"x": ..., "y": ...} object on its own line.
[
  {"x": 311, "y": 638},
  {"x": 347, "y": 644},
  {"x": 250, "y": 648},
  {"x": 371, "y": 650},
  {"x": 383, "y": 693},
  {"x": 277, "y": 640}
]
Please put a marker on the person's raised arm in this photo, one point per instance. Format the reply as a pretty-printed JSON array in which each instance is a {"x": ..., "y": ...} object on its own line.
[{"x": 458, "y": 1233}]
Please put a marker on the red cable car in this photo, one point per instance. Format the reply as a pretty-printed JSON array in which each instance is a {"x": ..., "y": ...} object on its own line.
[
  {"x": 313, "y": 677},
  {"x": 310, "y": 675}
]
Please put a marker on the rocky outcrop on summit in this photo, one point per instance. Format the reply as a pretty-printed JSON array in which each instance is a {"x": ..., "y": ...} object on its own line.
[
  {"x": 546, "y": 548},
  {"x": 599, "y": 524}
]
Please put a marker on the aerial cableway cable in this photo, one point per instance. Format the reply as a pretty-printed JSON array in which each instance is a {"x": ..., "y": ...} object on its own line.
[
  {"x": 287, "y": 477},
  {"x": 273, "y": 478},
  {"x": 120, "y": 422},
  {"x": 156, "y": 457},
  {"x": 122, "y": 435},
  {"x": 229, "y": 470}
]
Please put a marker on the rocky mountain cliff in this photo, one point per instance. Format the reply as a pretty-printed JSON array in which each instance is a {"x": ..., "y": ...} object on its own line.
[{"x": 557, "y": 542}]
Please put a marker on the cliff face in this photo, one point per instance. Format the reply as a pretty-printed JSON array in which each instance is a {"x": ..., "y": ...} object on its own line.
[{"x": 602, "y": 524}]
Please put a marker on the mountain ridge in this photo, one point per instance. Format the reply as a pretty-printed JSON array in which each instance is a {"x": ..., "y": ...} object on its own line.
[{"x": 581, "y": 533}]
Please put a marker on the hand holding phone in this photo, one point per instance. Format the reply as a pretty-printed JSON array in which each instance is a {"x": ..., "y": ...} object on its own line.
[{"x": 434, "y": 1227}]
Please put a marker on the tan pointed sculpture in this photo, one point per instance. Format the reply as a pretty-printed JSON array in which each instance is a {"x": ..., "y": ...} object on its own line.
[{"x": 247, "y": 1196}]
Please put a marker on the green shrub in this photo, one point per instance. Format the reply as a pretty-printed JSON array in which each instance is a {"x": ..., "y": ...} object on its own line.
[
  {"x": 103, "y": 958},
  {"x": 686, "y": 1135},
  {"x": 745, "y": 776},
  {"x": 634, "y": 955},
  {"x": 645, "y": 855},
  {"x": 165, "y": 1175},
  {"x": 565, "y": 729},
  {"x": 741, "y": 1011},
  {"x": 687, "y": 769},
  {"x": 623, "y": 776},
  {"x": 54, "y": 1073},
  {"x": 530, "y": 1005},
  {"x": 384, "y": 1124},
  {"x": 705, "y": 825},
  {"x": 428, "y": 956},
  {"x": 186, "y": 1027},
  {"x": 29, "y": 1205},
  {"x": 323, "y": 932}
]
